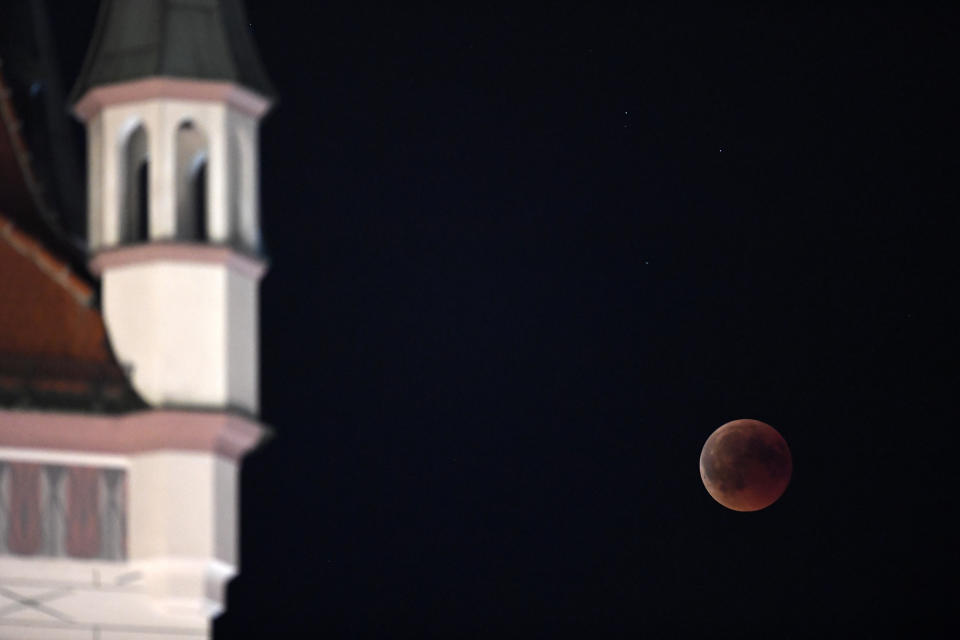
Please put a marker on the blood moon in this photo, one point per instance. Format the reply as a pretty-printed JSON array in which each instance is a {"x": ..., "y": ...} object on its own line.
[{"x": 746, "y": 465}]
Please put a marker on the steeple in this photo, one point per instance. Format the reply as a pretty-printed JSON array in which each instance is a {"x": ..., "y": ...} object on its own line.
[
  {"x": 172, "y": 93},
  {"x": 196, "y": 40},
  {"x": 179, "y": 88}
]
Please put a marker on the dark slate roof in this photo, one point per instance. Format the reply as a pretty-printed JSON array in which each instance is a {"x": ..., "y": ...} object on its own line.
[
  {"x": 41, "y": 156},
  {"x": 198, "y": 39}
]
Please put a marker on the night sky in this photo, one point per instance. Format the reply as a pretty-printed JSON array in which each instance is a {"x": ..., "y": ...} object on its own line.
[{"x": 525, "y": 260}]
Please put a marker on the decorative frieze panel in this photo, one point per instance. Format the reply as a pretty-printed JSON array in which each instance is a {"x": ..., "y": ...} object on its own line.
[{"x": 62, "y": 511}]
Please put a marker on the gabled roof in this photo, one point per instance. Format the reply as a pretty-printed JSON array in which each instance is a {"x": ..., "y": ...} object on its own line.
[
  {"x": 53, "y": 344},
  {"x": 34, "y": 193},
  {"x": 54, "y": 352},
  {"x": 196, "y": 40}
]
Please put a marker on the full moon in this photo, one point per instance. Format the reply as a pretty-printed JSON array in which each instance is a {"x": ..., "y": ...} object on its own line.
[{"x": 745, "y": 465}]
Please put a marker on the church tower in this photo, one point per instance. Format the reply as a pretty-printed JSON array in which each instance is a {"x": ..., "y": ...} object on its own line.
[
  {"x": 172, "y": 94},
  {"x": 123, "y": 523}
]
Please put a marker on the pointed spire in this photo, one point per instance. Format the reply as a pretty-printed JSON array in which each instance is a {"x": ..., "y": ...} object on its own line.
[{"x": 195, "y": 39}]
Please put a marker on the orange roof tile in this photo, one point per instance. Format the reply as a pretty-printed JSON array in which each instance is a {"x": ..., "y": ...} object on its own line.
[
  {"x": 44, "y": 309},
  {"x": 54, "y": 350},
  {"x": 53, "y": 344}
]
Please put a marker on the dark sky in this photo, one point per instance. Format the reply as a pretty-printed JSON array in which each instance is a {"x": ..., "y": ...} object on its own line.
[{"x": 525, "y": 260}]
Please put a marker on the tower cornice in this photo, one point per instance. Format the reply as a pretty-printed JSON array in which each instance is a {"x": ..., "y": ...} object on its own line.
[
  {"x": 180, "y": 252},
  {"x": 234, "y": 95},
  {"x": 222, "y": 433}
]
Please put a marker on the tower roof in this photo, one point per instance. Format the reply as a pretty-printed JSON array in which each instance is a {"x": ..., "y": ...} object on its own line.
[{"x": 188, "y": 39}]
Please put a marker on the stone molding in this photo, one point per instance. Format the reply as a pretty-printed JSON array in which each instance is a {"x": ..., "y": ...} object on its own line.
[
  {"x": 253, "y": 268},
  {"x": 224, "y": 434},
  {"x": 168, "y": 87}
]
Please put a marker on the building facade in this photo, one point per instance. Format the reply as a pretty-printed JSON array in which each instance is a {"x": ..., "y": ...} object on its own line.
[{"x": 129, "y": 385}]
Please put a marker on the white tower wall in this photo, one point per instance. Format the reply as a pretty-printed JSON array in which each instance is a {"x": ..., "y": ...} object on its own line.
[{"x": 187, "y": 328}]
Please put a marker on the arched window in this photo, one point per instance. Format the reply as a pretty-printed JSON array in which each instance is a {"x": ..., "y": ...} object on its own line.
[
  {"x": 200, "y": 199},
  {"x": 191, "y": 182},
  {"x": 141, "y": 231},
  {"x": 134, "y": 222}
]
